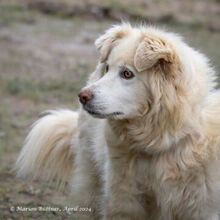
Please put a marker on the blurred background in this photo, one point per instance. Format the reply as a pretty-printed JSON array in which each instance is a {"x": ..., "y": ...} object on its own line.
[{"x": 46, "y": 53}]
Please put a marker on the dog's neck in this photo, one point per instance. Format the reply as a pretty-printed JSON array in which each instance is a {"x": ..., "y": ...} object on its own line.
[
  {"x": 148, "y": 134},
  {"x": 135, "y": 136}
]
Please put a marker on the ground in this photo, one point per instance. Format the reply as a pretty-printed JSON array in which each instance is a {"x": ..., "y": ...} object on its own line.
[{"x": 46, "y": 55}]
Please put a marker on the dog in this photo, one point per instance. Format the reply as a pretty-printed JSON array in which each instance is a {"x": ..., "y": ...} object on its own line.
[{"x": 145, "y": 143}]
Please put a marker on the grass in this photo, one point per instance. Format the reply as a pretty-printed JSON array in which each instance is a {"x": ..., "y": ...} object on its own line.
[
  {"x": 11, "y": 12},
  {"x": 61, "y": 88}
]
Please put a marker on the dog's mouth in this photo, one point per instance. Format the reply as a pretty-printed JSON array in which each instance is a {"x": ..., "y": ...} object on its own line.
[{"x": 102, "y": 115}]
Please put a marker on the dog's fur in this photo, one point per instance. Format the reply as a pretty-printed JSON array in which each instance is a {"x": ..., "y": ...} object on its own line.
[{"x": 155, "y": 154}]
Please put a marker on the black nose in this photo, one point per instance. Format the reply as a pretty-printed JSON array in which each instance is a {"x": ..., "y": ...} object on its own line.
[{"x": 85, "y": 96}]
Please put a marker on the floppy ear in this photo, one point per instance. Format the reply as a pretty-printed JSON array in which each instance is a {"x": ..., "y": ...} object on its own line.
[
  {"x": 152, "y": 51},
  {"x": 105, "y": 42}
]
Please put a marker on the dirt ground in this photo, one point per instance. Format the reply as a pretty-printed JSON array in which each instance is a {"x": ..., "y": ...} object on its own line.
[{"x": 46, "y": 55}]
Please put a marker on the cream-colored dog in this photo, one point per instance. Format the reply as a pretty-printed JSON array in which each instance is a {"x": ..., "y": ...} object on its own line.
[{"x": 147, "y": 144}]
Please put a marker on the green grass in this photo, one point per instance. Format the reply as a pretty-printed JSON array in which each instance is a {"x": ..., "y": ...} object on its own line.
[
  {"x": 62, "y": 88},
  {"x": 11, "y": 12}
]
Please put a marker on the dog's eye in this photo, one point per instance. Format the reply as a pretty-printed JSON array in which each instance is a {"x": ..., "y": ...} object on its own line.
[
  {"x": 106, "y": 68},
  {"x": 126, "y": 74}
]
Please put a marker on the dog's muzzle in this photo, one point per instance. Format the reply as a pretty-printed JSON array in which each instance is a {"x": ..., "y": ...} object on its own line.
[{"x": 85, "y": 96}]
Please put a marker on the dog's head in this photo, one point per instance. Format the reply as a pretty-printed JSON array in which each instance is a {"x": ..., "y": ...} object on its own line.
[{"x": 141, "y": 70}]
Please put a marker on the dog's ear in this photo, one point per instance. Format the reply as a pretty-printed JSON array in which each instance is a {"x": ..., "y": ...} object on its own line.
[
  {"x": 105, "y": 43},
  {"x": 153, "y": 51}
]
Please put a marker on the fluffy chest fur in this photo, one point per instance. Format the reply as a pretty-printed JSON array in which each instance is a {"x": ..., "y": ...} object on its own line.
[{"x": 173, "y": 183}]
